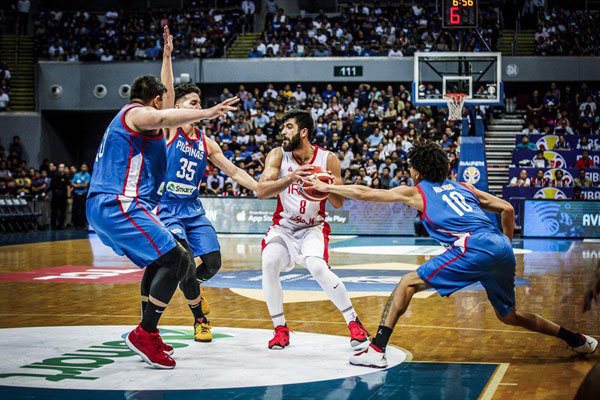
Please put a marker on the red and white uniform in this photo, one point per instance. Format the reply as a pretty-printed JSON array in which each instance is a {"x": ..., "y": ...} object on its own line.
[{"x": 298, "y": 222}]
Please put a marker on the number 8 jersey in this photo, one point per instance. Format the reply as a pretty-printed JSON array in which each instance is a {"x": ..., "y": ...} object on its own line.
[
  {"x": 186, "y": 163},
  {"x": 451, "y": 212}
]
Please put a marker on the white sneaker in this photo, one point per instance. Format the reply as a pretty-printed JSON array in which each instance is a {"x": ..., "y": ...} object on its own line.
[
  {"x": 588, "y": 347},
  {"x": 371, "y": 357}
]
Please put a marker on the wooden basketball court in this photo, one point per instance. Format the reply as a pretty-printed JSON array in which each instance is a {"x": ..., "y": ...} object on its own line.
[{"x": 68, "y": 279}]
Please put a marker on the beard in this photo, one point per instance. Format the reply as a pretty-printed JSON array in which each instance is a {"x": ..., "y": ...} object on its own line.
[{"x": 293, "y": 144}]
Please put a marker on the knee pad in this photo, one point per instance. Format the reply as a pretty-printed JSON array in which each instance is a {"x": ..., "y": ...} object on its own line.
[
  {"x": 211, "y": 264},
  {"x": 178, "y": 260}
]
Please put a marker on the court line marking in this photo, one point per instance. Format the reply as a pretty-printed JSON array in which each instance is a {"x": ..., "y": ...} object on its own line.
[
  {"x": 268, "y": 320},
  {"x": 508, "y": 384},
  {"x": 492, "y": 385}
]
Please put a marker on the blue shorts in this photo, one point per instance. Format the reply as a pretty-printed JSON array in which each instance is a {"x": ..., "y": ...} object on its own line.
[
  {"x": 487, "y": 258},
  {"x": 186, "y": 220},
  {"x": 127, "y": 226}
]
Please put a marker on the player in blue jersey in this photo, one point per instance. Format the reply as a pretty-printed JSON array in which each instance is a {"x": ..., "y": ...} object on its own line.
[
  {"x": 129, "y": 168},
  {"x": 478, "y": 251},
  {"x": 188, "y": 151}
]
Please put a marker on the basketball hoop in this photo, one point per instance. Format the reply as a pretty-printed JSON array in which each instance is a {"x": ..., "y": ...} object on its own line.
[{"x": 455, "y": 102}]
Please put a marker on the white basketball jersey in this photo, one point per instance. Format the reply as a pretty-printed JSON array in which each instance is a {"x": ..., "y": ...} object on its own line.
[{"x": 294, "y": 211}]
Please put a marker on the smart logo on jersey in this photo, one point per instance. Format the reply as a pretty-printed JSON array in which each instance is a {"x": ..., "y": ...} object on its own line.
[
  {"x": 180, "y": 188},
  {"x": 555, "y": 159},
  {"x": 550, "y": 193},
  {"x": 547, "y": 142},
  {"x": 471, "y": 175},
  {"x": 551, "y": 174}
]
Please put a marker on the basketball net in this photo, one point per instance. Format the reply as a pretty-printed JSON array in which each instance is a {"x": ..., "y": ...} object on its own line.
[{"x": 456, "y": 102}]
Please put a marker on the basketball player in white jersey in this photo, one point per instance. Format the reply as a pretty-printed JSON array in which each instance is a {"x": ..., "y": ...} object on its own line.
[{"x": 299, "y": 233}]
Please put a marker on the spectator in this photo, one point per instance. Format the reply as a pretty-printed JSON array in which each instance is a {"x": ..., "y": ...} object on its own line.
[
  {"x": 562, "y": 144},
  {"x": 215, "y": 183},
  {"x": 23, "y": 9},
  {"x": 522, "y": 180},
  {"x": 59, "y": 184},
  {"x": 530, "y": 130},
  {"x": 582, "y": 180},
  {"x": 585, "y": 144},
  {"x": 4, "y": 99},
  {"x": 559, "y": 179},
  {"x": 538, "y": 180},
  {"x": 40, "y": 184},
  {"x": 80, "y": 183},
  {"x": 23, "y": 184},
  {"x": 540, "y": 161},
  {"x": 526, "y": 144},
  {"x": 585, "y": 161},
  {"x": 299, "y": 94}
]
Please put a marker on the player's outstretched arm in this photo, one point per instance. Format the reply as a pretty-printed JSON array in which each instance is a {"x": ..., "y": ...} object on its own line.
[
  {"x": 166, "y": 71},
  {"x": 494, "y": 204},
  {"x": 144, "y": 119},
  {"x": 216, "y": 156},
  {"x": 401, "y": 194},
  {"x": 268, "y": 184},
  {"x": 335, "y": 169}
]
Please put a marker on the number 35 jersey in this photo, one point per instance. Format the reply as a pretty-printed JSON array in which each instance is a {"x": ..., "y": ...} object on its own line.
[
  {"x": 186, "y": 163},
  {"x": 451, "y": 212}
]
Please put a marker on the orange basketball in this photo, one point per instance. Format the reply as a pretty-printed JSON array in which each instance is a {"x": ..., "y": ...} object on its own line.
[{"x": 310, "y": 194}]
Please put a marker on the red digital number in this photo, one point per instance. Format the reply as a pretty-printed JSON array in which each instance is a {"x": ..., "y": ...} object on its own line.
[{"x": 454, "y": 16}]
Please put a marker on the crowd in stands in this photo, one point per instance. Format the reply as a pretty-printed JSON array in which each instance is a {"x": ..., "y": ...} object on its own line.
[
  {"x": 562, "y": 32},
  {"x": 369, "y": 128},
  {"x": 374, "y": 29},
  {"x": 64, "y": 187},
  {"x": 4, "y": 87},
  {"x": 571, "y": 116},
  {"x": 126, "y": 35}
]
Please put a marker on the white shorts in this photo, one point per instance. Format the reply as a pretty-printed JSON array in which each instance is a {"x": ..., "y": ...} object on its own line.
[{"x": 301, "y": 243}]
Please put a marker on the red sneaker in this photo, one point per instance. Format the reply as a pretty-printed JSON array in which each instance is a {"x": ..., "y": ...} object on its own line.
[
  {"x": 358, "y": 334},
  {"x": 147, "y": 345},
  {"x": 165, "y": 347},
  {"x": 281, "y": 339}
]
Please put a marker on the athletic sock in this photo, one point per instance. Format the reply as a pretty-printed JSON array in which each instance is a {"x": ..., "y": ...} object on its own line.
[
  {"x": 152, "y": 314},
  {"x": 278, "y": 320},
  {"x": 382, "y": 338},
  {"x": 350, "y": 315},
  {"x": 573, "y": 339},
  {"x": 197, "y": 311}
]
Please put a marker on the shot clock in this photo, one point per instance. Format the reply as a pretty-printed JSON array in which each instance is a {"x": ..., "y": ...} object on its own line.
[{"x": 460, "y": 13}]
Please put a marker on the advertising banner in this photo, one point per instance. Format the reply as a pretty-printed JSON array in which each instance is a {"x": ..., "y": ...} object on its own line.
[
  {"x": 547, "y": 142},
  {"x": 551, "y": 218},
  {"x": 250, "y": 215},
  {"x": 556, "y": 158},
  {"x": 549, "y": 173}
]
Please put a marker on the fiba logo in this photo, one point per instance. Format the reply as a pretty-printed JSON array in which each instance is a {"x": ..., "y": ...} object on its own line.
[
  {"x": 471, "y": 175},
  {"x": 567, "y": 177},
  {"x": 547, "y": 142},
  {"x": 555, "y": 159},
  {"x": 550, "y": 193}
]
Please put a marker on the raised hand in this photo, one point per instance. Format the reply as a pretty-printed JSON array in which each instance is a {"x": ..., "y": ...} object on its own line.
[
  {"x": 168, "y": 42},
  {"x": 224, "y": 107}
]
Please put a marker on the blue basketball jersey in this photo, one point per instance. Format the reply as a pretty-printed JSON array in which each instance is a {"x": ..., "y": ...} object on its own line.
[
  {"x": 186, "y": 163},
  {"x": 451, "y": 211},
  {"x": 129, "y": 163}
]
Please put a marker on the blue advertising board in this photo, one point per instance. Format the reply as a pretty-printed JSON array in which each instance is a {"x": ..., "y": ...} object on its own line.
[
  {"x": 553, "y": 218},
  {"x": 547, "y": 142},
  {"x": 556, "y": 158}
]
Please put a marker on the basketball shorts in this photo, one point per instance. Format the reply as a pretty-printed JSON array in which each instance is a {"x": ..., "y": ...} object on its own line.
[
  {"x": 487, "y": 258},
  {"x": 301, "y": 243},
  {"x": 186, "y": 220},
  {"x": 127, "y": 226}
]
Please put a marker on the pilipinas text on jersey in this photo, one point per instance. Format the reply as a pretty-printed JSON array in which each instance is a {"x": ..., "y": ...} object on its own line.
[
  {"x": 129, "y": 163},
  {"x": 186, "y": 163},
  {"x": 452, "y": 211}
]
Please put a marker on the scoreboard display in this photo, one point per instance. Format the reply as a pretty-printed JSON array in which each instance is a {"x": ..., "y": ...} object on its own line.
[{"x": 460, "y": 13}]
